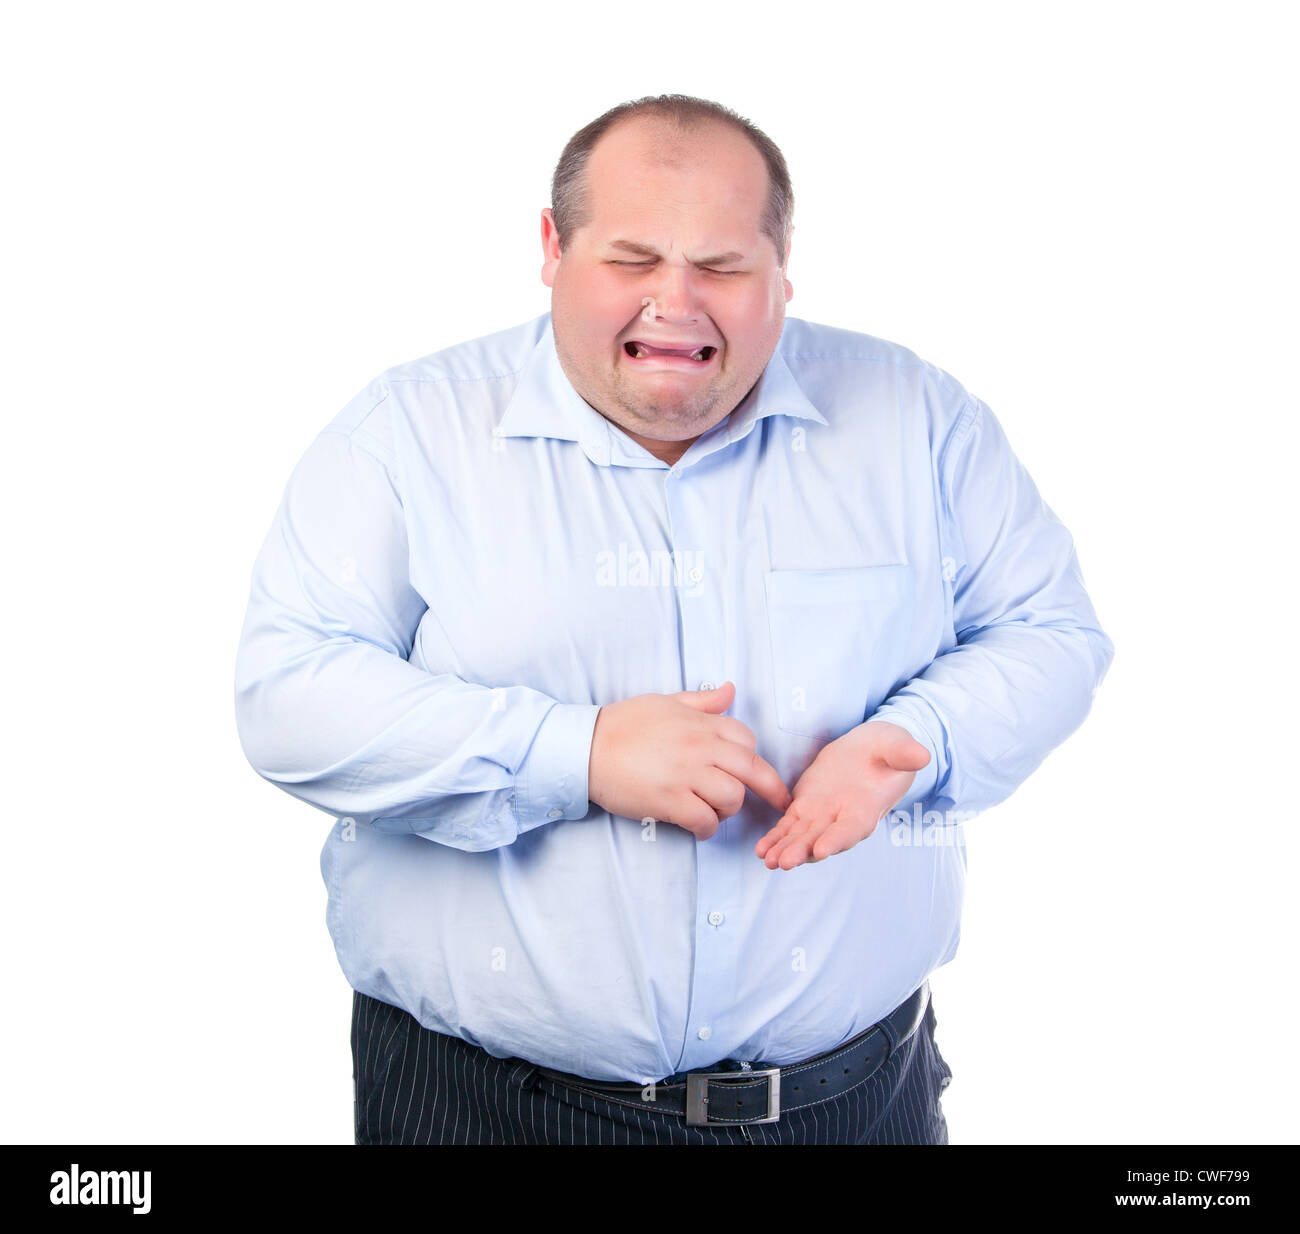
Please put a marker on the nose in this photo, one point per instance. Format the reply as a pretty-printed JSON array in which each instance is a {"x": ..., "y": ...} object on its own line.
[{"x": 674, "y": 297}]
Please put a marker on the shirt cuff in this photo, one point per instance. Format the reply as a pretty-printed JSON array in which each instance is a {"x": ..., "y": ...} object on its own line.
[{"x": 551, "y": 784}]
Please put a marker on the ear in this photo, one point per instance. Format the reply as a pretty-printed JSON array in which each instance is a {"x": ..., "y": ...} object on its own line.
[
  {"x": 789, "y": 287},
  {"x": 550, "y": 248}
]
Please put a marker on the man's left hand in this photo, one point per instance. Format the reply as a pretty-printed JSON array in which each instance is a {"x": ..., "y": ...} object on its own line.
[{"x": 849, "y": 787}]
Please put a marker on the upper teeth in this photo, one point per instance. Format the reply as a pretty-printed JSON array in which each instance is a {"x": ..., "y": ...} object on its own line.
[{"x": 641, "y": 351}]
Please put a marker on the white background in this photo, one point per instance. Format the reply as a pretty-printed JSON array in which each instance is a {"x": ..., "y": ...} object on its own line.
[{"x": 223, "y": 219}]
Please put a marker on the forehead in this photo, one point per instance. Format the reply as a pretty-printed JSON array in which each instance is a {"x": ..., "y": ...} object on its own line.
[{"x": 643, "y": 174}]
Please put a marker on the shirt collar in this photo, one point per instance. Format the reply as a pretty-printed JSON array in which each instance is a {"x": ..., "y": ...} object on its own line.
[{"x": 545, "y": 404}]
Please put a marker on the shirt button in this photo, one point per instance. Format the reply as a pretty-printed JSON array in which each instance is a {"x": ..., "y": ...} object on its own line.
[
  {"x": 705, "y": 1033},
  {"x": 554, "y": 813},
  {"x": 715, "y": 918},
  {"x": 707, "y": 685}
]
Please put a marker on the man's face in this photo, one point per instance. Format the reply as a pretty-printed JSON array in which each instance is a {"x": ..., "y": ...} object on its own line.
[{"x": 715, "y": 280}]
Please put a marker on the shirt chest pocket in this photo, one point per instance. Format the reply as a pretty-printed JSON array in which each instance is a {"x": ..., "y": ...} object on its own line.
[{"x": 837, "y": 644}]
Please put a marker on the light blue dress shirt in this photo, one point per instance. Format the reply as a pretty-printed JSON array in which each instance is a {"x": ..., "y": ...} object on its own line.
[{"x": 469, "y": 560}]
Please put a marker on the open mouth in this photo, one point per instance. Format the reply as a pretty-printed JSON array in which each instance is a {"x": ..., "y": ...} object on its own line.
[{"x": 680, "y": 357}]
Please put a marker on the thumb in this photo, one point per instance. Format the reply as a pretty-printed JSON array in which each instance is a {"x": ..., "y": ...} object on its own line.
[
  {"x": 903, "y": 752},
  {"x": 716, "y": 700}
]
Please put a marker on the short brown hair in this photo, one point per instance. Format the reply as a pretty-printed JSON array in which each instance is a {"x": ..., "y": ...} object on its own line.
[{"x": 682, "y": 114}]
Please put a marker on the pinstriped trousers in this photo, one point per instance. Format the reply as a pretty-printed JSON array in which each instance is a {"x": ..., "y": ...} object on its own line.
[{"x": 415, "y": 1086}]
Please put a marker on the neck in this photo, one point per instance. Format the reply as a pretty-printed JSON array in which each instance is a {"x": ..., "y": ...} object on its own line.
[{"x": 665, "y": 451}]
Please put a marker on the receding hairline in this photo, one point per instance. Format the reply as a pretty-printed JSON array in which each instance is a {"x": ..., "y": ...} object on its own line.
[
  {"x": 668, "y": 128},
  {"x": 673, "y": 152},
  {"x": 673, "y": 156}
]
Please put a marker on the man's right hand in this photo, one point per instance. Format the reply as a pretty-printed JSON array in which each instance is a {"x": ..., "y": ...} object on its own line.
[{"x": 676, "y": 758}]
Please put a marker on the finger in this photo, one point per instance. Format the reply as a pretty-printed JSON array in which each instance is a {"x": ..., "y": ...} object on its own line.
[
  {"x": 793, "y": 851},
  {"x": 723, "y": 792},
  {"x": 783, "y": 827},
  {"x": 736, "y": 731},
  {"x": 903, "y": 752},
  {"x": 693, "y": 814},
  {"x": 842, "y": 833},
  {"x": 782, "y": 836},
  {"x": 811, "y": 835},
  {"x": 715, "y": 700},
  {"x": 793, "y": 820},
  {"x": 753, "y": 771}
]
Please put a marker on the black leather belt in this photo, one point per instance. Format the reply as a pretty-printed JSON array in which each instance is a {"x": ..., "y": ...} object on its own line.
[{"x": 759, "y": 1094}]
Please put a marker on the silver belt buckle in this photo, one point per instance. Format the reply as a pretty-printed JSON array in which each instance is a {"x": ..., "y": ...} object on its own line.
[{"x": 697, "y": 1096}]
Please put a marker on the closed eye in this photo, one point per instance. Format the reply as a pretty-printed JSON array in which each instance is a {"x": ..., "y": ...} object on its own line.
[{"x": 651, "y": 263}]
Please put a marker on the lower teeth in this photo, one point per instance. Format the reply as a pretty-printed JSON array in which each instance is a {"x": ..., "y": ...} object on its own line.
[{"x": 698, "y": 357}]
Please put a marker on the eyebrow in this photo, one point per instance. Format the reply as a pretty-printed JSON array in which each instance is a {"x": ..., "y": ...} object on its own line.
[{"x": 646, "y": 250}]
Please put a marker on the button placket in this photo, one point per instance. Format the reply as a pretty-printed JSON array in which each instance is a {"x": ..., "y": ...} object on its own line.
[{"x": 702, "y": 599}]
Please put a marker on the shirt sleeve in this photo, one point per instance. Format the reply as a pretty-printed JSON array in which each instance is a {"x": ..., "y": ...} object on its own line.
[
  {"x": 329, "y": 708},
  {"x": 1029, "y": 651}
]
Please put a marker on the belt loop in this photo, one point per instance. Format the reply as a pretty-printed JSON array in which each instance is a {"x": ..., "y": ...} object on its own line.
[{"x": 887, "y": 1025}]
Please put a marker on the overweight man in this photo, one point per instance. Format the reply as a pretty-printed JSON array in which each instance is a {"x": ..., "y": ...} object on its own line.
[{"x": 650, "y": 657}]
